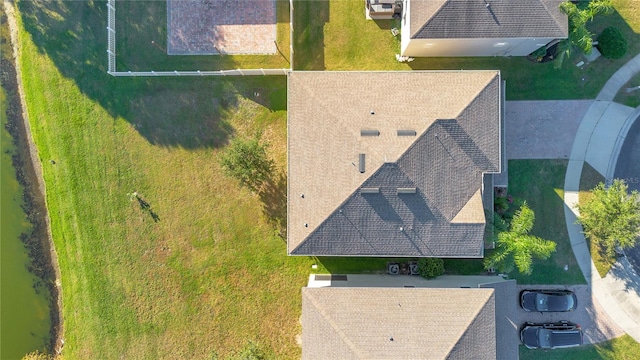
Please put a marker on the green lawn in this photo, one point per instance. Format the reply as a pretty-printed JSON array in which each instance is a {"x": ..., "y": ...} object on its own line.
[
  {"x": 589, "y": 178},
  {"x": 141, "y": 39},
  {"x": 212, "y": 275},
  {"x": 335, "y": 35},
  {"x": 622, "y": 348},
  {"x": 541, "y": 183},
  {"x": 629, "y": 98}
]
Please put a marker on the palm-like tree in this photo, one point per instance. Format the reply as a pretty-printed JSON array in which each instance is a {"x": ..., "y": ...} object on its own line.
[
  {"x": 578, "y": 19},
  {"x": 516, "y": 248}
]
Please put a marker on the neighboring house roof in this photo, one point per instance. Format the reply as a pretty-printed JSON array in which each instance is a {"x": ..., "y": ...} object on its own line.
[
  {"x": 456, "y": 19},
  {"x": 398, "y": 323},
  {"x": 334, "y": 209}
]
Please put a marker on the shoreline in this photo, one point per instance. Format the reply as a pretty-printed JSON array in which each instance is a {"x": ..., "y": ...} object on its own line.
[{"x": 39, "y": 242}]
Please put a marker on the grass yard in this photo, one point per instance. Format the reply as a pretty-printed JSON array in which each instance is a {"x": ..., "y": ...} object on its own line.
[
  {"x": 632, "y": 98},
  {"x": 141, "y": 39},
  {"x": 622, "y": 348},
  {"x": 540, "y": 183},
  {"x": 589, "y": 178},
  {"x": 194, "y": 283},
  {"x": 335, "y": 35},
  {"x": 211, "y": 276}
]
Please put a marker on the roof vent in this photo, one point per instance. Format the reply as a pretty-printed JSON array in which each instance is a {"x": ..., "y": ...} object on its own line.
[
  {"x": 407, "y": 190},
  {"x": 370, "y": 190},
  {"x": 406, "y": 133},
  {"x": 369, "y": 133},
  {"x": 361, "y": 163}
]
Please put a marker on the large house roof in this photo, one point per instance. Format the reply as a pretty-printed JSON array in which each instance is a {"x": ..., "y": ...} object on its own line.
[
  {"x": 469, "y": 19},
  {"x": 427, "y": 138},
  {"x": 398, "y": 323}
]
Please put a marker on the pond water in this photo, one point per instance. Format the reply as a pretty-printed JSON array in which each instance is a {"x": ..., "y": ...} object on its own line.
[{"x": 24, "y": 306}]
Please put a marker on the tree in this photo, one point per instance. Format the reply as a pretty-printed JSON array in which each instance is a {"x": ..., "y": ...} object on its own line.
[
  {"x": 612, "y": 43},
  {"x": 246, "y": 160},
  {"x": 578, "y": 16},
  {"x": 611, "y": 217},
  {"x": 516, "y": 248}
]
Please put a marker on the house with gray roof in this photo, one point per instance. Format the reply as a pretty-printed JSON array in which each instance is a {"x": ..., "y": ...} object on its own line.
[
  {"x": 398, "y": 323},
  {"x": 447, "y": 28},
  {"x": 391, "y": 163},
  {"x": 374, "y": 317}
]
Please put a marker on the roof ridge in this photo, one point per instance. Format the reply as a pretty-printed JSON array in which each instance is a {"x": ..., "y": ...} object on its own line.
[
  {"x": 478, "y": 311},
  {"x": 436, "y": 12},
  {"x": 546, "y": 7},
  {"x": 466, "y": 208},
  {"x": 341, "y": 334}
]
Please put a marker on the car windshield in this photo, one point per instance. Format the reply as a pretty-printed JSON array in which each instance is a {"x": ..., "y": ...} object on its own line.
[{"x": 544, "y": 338}]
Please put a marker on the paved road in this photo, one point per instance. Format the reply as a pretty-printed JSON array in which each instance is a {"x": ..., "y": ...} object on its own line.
[{"x": 628, "y": 168}]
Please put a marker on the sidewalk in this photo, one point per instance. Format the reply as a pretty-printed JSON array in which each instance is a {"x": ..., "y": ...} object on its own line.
[{"x": 598, "y": 142}]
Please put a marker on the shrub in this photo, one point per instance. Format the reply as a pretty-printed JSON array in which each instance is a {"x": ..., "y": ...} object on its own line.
[
  {"x": 430, "y": 267},
  {"x": 612, "y": 43}
]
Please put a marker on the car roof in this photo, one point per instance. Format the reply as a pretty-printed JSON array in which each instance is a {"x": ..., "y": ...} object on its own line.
[{"x": 560, "y": 338}]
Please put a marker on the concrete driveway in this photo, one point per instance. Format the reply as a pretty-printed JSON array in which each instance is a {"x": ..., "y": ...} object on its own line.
[
  {"x": 595, "y": 323},
  {"x": 542, "y": 129}
]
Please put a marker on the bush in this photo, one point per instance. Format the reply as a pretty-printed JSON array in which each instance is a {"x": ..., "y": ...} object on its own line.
[
  {"x": 430, "y": 267},
  {"x": 612, "y": 43}
]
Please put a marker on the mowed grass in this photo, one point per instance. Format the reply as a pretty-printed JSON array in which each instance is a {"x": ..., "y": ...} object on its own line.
[
  {"x": 212, "y": 274},
  {"x": 141, "y": 39},
  {"x": 589, "y": 178},
  {"x": 621, "y": 348},
  {"x": 629, "y": 98},
  {"x": 334, "y": 35},
  {"x": 540, "y": 183}
]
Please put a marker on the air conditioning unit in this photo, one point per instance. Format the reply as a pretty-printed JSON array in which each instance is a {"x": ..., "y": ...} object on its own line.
[
  {"x": 413, "y": 268},
  {"x": 393, "y": 269}
]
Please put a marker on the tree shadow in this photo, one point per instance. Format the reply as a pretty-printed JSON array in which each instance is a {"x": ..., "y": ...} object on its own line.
[
  {"x": 309, "y": 17},
  {"x": 188, "y": 112},
  {"x": 273, "y": 196}
]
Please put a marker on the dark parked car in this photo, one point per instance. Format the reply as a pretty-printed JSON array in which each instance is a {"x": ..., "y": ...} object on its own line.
[
  {"x": 548, "y": 300},
  {"x": 551, "y": 336}
]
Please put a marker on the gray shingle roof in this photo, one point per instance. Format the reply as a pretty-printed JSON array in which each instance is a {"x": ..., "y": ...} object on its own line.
[
  {"x": 455, "y": 19},
  {"x": 359, "y": 323},
  {"x": 456, "y": 116}
]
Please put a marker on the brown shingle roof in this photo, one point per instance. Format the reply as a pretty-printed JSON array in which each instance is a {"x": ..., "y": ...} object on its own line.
[
  {"x": 455, "y": 19},
  {"x": 360, "y": 323},
  {"x": 456, "y": 117}
]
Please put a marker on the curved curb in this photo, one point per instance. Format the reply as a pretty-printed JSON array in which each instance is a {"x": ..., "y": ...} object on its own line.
[
  {"x": 622, "y": 135},
  {"x": 606, "y": 290},
  {"x": 619, "y": 78}
]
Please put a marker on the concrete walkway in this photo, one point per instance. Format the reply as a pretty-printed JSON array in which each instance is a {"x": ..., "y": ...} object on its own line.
[{"x": 598, "y": 141}]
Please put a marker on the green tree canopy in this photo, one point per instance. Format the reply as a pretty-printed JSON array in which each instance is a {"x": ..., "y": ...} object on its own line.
[
  {"x": 579, "y": 15},
  {"x": 516, "y": 248},
  {"x": 246, "y": 160},
  {"x": 612, "y": 216},
  {"x": 612, "y": 43}
]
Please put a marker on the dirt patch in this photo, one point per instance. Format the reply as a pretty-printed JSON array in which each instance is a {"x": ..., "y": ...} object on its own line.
[{"x": 29, "y": 174}]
